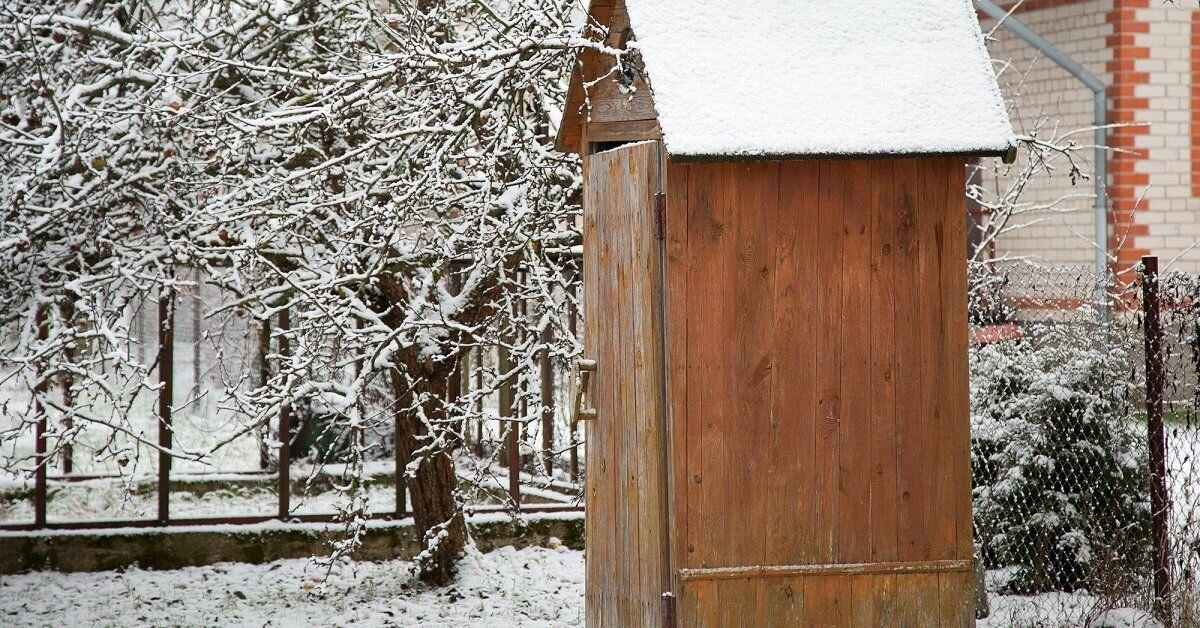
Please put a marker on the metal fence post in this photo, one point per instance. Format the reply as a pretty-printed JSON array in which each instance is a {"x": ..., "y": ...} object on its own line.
[
  {"x": 66, "y": 450},
  {"x": 573, "y": 431},
  {"x": 39, "y": 410},
  {"x": 479, "y": 401},
  {"x": 285, "y": 426},
  {"x": 547, "y": 401},
  {"x": 166, "y": 393},
  {"x": 264, "y": 377},
  {"x": 512, "y": 447},
  {"x": 1159, "y": 506}
]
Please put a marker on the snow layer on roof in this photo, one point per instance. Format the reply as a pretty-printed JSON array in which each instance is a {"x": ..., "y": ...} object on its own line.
[{"x": 820, "y": 77}]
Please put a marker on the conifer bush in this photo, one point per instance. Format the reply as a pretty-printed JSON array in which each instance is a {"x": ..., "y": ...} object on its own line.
[{"x": 1060, "y": 479}]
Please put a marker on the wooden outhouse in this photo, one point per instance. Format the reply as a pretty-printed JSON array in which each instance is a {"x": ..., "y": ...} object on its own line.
[{"x": 775, "y": 289}]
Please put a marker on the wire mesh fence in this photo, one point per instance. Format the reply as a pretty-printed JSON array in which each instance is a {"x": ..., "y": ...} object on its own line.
[{"x": 1084, "y": 442}]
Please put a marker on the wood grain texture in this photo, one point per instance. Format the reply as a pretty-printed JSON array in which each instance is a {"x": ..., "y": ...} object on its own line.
[
  {"x": 601, "y": 99},
  {"x": 626, "y": 536},
  {"x": 816, "y": 320}
]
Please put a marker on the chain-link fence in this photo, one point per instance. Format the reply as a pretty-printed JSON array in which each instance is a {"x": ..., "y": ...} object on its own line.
[{"x": 1079, "y": 516}]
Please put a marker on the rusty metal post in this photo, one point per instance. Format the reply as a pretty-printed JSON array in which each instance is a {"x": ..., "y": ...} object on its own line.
[
  {"x": 572, "y": 322},
  {"x": 264, "y": 376},
  {"x": 547, "y": 401},
  {"x": 1159, "y": 507},
  {"x": 39, "y": 410},
  {"x": 285, "y": 425},
  {"x": 522, "y": 392},
  {"x": 512, "y": 447},
  {"x": 400, "y": 463},
  {"x": 479, "y": 401},
  {"x": 65, "y": 449},
  {"x": 166, "y": 397}
]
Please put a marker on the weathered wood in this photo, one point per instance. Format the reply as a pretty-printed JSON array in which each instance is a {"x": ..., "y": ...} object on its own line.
[
  {"x": 622, "y": 131},
  {"x": 794, "y": 424},
  {"x": 626, "y": 500},
  {"x": 884, "y": 531},
  {"x": 826, "y": 267},
  {"x": 819, "y": 419},
  {"x": 847, "y": 569},
  {"x": 599, "y": 94}
]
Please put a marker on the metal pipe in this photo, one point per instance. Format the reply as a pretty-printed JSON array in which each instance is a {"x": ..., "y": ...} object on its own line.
[
  {"x": 1100, "y": 120},
  {"x": 166, "y": 396}
]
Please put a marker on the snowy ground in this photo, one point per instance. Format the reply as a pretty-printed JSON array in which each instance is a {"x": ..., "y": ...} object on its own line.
[{"x": 529, "y": 587}]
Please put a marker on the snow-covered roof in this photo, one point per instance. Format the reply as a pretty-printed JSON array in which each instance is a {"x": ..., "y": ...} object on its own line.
[{"x": 819, "y": 77}]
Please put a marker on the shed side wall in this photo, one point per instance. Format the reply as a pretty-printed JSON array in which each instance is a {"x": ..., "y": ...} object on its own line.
[{"x": 817, "y": 344}]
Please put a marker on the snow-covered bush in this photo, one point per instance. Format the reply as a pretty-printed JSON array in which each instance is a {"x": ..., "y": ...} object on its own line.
[{"x": 1060, "y": 486}]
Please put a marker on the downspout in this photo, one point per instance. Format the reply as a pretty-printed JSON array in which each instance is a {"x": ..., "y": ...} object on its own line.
[{"x": 1100, "y": 121}]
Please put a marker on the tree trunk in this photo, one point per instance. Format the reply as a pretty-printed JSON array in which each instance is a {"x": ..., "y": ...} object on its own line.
[{"x": 432, "y": 488}]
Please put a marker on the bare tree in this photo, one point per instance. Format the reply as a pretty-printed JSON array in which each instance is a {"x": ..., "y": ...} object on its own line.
[{"x": 381, "y": 170}]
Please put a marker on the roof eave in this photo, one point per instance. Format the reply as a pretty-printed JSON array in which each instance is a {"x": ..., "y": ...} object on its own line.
[{"x": 752, "y": 157}]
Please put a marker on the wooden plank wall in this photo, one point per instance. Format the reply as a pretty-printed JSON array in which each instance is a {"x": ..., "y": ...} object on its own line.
[
  {"x": 817, "y": 344},
  {"x": 626, "y": 483}
]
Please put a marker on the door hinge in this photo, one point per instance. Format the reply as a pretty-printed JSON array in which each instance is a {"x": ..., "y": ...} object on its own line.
[
  {"x": 660, "y": 215},
  {"x": 668, "y": 609}
]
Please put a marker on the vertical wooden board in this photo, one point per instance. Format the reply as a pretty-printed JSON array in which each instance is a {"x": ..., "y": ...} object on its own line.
[
  {"x": 591, "y": 264},
  {"x": 629, "y": 519},
  {"x": 912, "y": 437},
  {"x": 736, "y": 601},
  {"x": 956, "y": 598},
  {"x": 827, "y": 600},
  {"x": 857, "y": 454},
  {"x": 940, "y": 511},
  {"x": 957, "y": 387},
  {"x": 784, "y": 602},
  {"x": 723, "y": 442},
  {"x": 754, "y": 198},
  {"x": 607, "y": 410},
  {"x": 707, "y": 606},
  {"x": 917, "y": 600},
  {"x": 625, "y": 524},
  {"x": 883, "y": 494},
  {"x": 646, "y": 443},
  {"x": 792, "y": 474},
  {"x": 828, "y": 411},
  {"x": 687, "y": 603},
  {"x": 703, "y": 229},
  {"x": 707, "y": 229},
  {"x": 874, "y": 600},
  {"x": 678, "y": 268},
  {"x": 599, "y": 559}
]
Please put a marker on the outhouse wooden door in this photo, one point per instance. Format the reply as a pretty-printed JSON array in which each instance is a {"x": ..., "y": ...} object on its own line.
[{"x": 626, "y": 529}]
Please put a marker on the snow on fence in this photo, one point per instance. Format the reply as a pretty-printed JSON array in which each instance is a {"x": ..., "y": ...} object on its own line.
[
  {"x": 1085, "y": 437},
  {"x": 527, "y": 457}
]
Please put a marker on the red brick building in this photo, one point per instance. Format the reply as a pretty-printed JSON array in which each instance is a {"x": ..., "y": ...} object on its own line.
[{"x": 1148, "y": 53}]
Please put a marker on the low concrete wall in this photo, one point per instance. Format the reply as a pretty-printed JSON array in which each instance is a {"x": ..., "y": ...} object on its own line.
[{"x": 173, "y": 548}]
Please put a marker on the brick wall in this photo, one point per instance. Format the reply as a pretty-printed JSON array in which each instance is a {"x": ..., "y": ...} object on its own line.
[
  {"x": 1167, "y": 223},
  {"x": 1081, "y": 30},
  {"x": 1148, "y": 51}
]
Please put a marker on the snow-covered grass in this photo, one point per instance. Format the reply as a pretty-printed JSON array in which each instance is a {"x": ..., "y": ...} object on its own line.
[
  {"x": 1062, "y": 610},
  {"x": 529, "y": 587}
]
